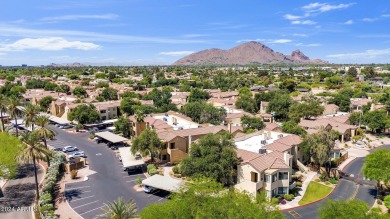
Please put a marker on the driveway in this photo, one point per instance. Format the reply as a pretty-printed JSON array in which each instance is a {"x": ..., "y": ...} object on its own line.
[
  {"x": 108, "y": 183},
  {"x": 354, "y": 186}
]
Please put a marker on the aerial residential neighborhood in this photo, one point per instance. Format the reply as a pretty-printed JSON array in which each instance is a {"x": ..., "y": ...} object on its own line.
[{"x": 135, "y": 110}]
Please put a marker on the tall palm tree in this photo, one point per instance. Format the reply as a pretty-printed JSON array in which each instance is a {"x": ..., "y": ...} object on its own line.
[
  {"x": 33, "y": 152},
  {"x": 42, "y": 131},
  {"x": 139, "y": 115},
  {"x": 14, "y": 111},
  {"x": 30, "y": 112},
  {"x": 3, "y": 108},
  {"x": 120, "y": 210}
]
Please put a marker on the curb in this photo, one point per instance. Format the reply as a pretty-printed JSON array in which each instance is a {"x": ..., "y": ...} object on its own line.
[
  {"x": 323, "y": 197},
  {"x": 66, "y": 200}
]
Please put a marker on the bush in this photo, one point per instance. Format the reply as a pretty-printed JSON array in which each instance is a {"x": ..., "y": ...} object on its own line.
[
  {"x": 73, "y": 174},
  {"x": 294, "y": 192},
  {"x": 289, "y": 197},
  {"x": 323, "y": 177},
  {"x": 299, "y": 184},
  {"x": 139, "y": 180},
  {"x": 379, "y": 202},
  {"x": 91, "y": 137},
  {"x": 176, "y": 169},
  {"x": 151, "y": 168},
  {"x": 386, "y": 201},
  {"x": 327, "y": 183},
  {"x": 333, "y": 181},
  {"x": 275, "y": 201},
  {"x": 178, "y": 175},
  {"x": 316, "y": 180}
]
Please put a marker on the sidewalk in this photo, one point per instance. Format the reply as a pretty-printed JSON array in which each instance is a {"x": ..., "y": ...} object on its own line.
[{"x": 294, "y": 203}]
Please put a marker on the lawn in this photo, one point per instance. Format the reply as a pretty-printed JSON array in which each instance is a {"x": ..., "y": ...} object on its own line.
[{"x": 314, "y": 192}]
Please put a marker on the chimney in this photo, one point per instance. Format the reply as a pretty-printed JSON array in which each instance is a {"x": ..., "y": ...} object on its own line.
[
  {"x": 230, "y": 127},
  {"x": 286, "y": 158}
]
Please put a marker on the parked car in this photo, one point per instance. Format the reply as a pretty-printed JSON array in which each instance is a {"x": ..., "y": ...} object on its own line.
[
  {"x": 114, "y": 147},
  {"x": 149, "y": 189},
  {"x": 66, "y": 126},
  {"x": 76, "y": 155},
  {"x": 69, "y": 149},
  {"x": 58, "y": 149}
]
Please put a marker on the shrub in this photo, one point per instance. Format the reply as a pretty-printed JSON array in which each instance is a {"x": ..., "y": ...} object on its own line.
[
  {"x": 316, "y": 180},
  {"x": 333, "y": 181},
  {"x": 327, "y": 183},
  {"x": 91, "y": 137},
  {"x": 299, "y": 184},
  {"x": 178, "y": 175},
  {"x": 151, "y": 168},
  {"x": 294, "y": 191},
  {"x": 386, "y": 201},
  {"x": 275, "y": 201},
  {"x": 176, "y": 169},
  {"x": 289, "y": 197},
  {"x": 73, "y": 174},
  {"x": 323, "y": 177},
  {"x": 139, "y": 180},
  {"x": 379, "y": 202}
]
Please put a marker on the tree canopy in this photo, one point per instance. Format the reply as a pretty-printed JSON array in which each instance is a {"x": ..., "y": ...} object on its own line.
[
  {"x": 376, "y": 120},
  {"x": 251, "y": 123},
  {"x": 128, "y": 105},
  {"x": 377, "y": 164},
  {"x": 208, "y": 199},
  {"x": 293, "y": 128},
  {"x": 109, "y": 93},
  {"x": 307, "y": 109},
  {"x": 9, "y": 150},
  {"x": 342, "y": 100},
  {"x": 342, "y": 209},
  {"x": 279, "y": 104},
  {"x": 198, "y": 95},
  {"x": 214, "y": 156},
  {"x": 202, "y": 112},
  {"x": 147, "y": 143},
  {"x": 123, "y": 125},
  {"x": 79, "y": 91},
  {"x": 84, "y": 114}
]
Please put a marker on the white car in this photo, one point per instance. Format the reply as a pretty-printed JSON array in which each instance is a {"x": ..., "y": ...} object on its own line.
[
  {"x": 69, "y": 149},
  {"x": 77, "y": 154},
  {"x": 149, "y": 189},
  {"x": 66, "y": 126}
]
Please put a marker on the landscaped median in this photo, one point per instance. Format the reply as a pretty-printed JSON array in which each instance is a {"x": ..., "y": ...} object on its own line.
[{"x": 315, "y": 191}]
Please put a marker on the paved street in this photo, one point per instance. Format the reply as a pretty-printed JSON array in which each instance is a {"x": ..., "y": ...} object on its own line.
[
  {"x": 20, "y": 192},
  {"x": 108, "y": 184},
  {"x": 355, "y": 186}
]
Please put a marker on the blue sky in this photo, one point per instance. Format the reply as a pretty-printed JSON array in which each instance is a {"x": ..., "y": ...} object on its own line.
[{"x": 138, "y": 32}]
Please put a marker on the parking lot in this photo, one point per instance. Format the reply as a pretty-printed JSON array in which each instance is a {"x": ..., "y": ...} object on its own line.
[{"x": 108, "y": 184}]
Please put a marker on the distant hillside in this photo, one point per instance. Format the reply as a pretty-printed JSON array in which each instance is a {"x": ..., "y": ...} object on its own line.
[{"x": 246, "y": 53}]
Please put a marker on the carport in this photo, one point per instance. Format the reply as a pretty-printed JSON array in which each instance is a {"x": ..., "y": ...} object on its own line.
[
  {"x": 111, "y": 137},
  {"x": 164, "y": 183},
  {"x": 56, "y": 119},
  {"x": 129, "y": 160}
]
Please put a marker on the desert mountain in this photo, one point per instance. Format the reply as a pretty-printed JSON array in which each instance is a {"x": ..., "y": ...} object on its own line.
[{"x": 246, "y": 53}]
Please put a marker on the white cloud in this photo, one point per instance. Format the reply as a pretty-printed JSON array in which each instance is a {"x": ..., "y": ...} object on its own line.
[
  {"x": 308, "y": 45},
  {"x": 385, "y": 15},
  {"x": 3, "y": 53},
  {"x": 15, "y": 31},
  {"x": 50, "y": 43},
  {"x": 304, "y": 22},
  {"x": 324, "y": 7},
  {"x": 291, "y": 17},
  {"x": 177, "y": 53},
  {"x": 280, "y": 41},
  {"x": 349, "y": 22},
  {"x": 368, "y": 54},
  {"x": 300, "y": 35},
  {"x": 80, "y": 16},
  {"x": 369, "y": 19}
]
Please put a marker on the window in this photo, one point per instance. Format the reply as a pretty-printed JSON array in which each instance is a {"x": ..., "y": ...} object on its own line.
[
  {"x": 282, "y": 190},
  {"x": 254, "y": 177},
  {"x": 274, "y": 177},
  {"x": 283, "y": 175},
  {"x": 164, "y": 157},
  {"x": 266, "y": 178},
  {"x": 102, "y": 111},
  {"x": 172, "y": 145},
  {"x": 274, "y": 192}
]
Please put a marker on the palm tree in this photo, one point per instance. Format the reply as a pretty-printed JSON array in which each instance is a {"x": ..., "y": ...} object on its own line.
[
  {"x": 30, "y": 112},
  {"x": 32, "y": 152},
  {"x": 14, "y": 111},
  {"x": 3, "y": 108},
  {"x": 42, "y": 131},
  {"x": 119, "y": 210},
  {"x": 139, "y": 115}
]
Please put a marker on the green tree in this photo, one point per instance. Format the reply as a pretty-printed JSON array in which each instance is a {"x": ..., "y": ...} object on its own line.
[
  {"x": 147, "y": 143},
  {"x": 130, "y": 94},
  {"x": 376, "y": 165},
  {"x": 30, "y": 113},
  {"x": 280, "y": 104},
  {"x": 355, "y": 118},
  {"x": 42, "y": 121},
  {"x": 63, "y": 88},
  {"x": 214, "y": 156},
  {"x": 3, "y": 109},
  {"x": 288, "y": 84},
  {"x": 17, "y": 91},
  {"x": 251, "y": 123},
  {"x": 246, "y": 101},
  {"x": 84, "y": 113},
  {"x": 123, "y": 125},
  {"x": 342, "y": 209},
  {"x": 79, "y": 91},
  {"x": 50, "y": 86},
  {"x": 33, "y": 151},
  {"x": 293, "y": 128},
  {"x": 101, "y": 84},
  {"x": 119, "y": 209},
  {"x": 10, "y": 149},
  {"x": 307, "y": 109},
  {"x": 109, "y": 93},
  {"x": 201, "y": 112},
  {"x": 14, "y": 110},
  {"x": 128, "y": 105},
  {"x": 342, "y": 101},
  {"x": 376, "y": 120},
  {"x": 352, "y": 72},
  {"x": 208, "y": 199},
  {"x": 333, "y": 82},
  {"x": 198, "y": 95},
  {"x": 369, "y": 72},
  {"x": 318, "y": 146},
  {"x": 45, "y": 102}
]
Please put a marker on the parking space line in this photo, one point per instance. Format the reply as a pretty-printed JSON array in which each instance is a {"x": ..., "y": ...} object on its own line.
[
  {"x": 152, "y": 193},
  {"x": 160, "y": 199},
  {"x": 80, "y": 187},
  {"x": 92, "y": 210},
  {"x": 294, "y": 214},
  {"x": 85, "y": 204},
  {"x": 81, "y": 198}
]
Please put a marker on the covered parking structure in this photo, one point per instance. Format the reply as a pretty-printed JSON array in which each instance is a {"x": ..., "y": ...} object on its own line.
[
  {"x": 57, "y": 120},
  {"x": 129, "y": 160},
  {"x": 165, "y": 183},
  {"x": 111, "y": 137}
]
